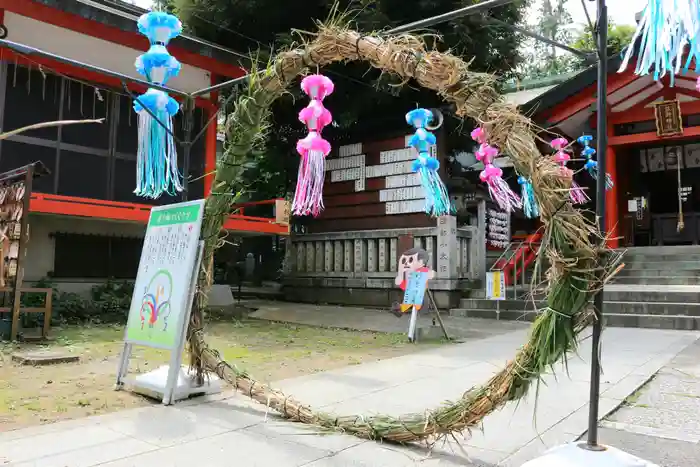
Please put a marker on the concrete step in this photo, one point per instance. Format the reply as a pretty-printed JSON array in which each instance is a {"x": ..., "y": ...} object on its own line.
[
  {"x": 667, "y": 280},
  {"x": 648, "y": 272},
  {"x": 615, "y": 307},
  {"x": 676, "y": 322},
  {"x": 683, "y": 265},
  {"x": 671, "y": 257},
  {"x": 661, "y": 250},
  {"x": 617, "y": 293}
]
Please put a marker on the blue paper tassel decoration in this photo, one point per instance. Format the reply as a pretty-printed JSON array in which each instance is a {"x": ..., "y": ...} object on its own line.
[
  {"x": 156, "y": 160},
  {"x": 666, "y": 28},
  {"x": 591, "y": 164},
  {"x": 527, "y": 194},
  {"x": 437, "y": 200}
]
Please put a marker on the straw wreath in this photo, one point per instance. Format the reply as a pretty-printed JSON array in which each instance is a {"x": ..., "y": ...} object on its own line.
[{"x": 571, "y": 244}]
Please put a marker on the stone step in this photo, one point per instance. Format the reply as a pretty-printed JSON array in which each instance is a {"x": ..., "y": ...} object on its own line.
[
  {"x": 615, "y": 307},
  {"x": 662, "y": 250},
  {"x": 683, "y": 265},
  {"x": 618, "y": 293},
  {"x": 649, "y": 272},
  {"x": 667, "y": 280},
  {"x": 676, "y": 322},
  {"x": 671, "y": 257}
]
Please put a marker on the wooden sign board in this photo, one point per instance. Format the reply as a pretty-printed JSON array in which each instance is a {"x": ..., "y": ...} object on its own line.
[
  {"x": 283, "y": 210},
  {"x": 669, "y": 121}
]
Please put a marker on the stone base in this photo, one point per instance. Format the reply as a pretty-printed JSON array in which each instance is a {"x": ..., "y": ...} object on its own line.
[
  {"x": 429, "y": 333},
  {"x": 362, "y": 297},
  {"x": 573, "y": 455},
  {"x": 44, "y": 357},
  {"x": 152, "y": 384}
]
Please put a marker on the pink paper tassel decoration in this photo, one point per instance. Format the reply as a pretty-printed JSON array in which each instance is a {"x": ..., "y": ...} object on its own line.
[
  {"x": 313, "y": 149},
  {"x": 576, "y": 193},
  {"x": 499, "y": 190}
]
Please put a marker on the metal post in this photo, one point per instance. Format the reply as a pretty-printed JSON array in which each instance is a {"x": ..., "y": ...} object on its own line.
[
  {"x": 449, "y": 16},
  {"x": 602, "y": 139}
]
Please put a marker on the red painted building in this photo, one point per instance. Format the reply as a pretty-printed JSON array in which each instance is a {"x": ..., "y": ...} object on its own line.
[
  {"x": 85, "y": 223},
  {"x": 651, "y": 166}
]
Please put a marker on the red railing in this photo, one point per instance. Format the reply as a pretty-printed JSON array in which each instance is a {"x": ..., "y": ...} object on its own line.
[
  {"x": 521, "y": 259},
  {"x": 117, "y": 210}
]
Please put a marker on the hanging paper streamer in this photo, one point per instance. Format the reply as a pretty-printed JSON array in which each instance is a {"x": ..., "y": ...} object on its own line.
[
  {"x": 666, "y": 28},
  {"x": 527, "y": 194},
  {"x": 313, "y": 149},
  {"x": 156, "y": 159},
  {"x": 499, "y": 190},
  {"x": 437, "y": 200},
  {"x": 577, "y": 194},
  {"x": 591, "y": 164}
]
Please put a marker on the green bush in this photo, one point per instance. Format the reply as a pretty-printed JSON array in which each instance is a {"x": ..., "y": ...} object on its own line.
[{"x": 108, "y": 303}]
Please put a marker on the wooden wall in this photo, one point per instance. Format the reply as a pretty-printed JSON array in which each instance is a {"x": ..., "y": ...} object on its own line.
[{"x": 371, "y": 186}]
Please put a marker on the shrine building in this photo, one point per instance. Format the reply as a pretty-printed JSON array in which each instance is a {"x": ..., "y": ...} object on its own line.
[
  {"x": 86, "y": 224},
  {"x": 374, "y": 204}
]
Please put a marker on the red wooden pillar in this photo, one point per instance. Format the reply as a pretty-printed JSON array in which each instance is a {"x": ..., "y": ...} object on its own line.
[
  {"x": 210, "y": 142},
  {"x": 612, "y": 212}
]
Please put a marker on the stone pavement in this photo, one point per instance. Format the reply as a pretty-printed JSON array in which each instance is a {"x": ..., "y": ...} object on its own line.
[
  {"x": 230, "y": 430},
  {"x": 661, "y": 421},
  {"x": 366, "y": 319}
]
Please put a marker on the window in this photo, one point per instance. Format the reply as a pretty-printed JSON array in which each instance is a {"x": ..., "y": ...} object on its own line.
[
  {"x": 31, "y": 97},
  {"x": 81, "y": 256}
]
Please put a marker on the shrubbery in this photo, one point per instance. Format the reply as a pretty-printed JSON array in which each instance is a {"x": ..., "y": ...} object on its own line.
[{"x": 108, "y": 303}]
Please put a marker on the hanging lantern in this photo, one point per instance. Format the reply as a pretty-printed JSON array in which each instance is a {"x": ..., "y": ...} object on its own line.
[
  {"x": 313, "y": 149},
  {"x": 156, "y": 159},
  {"x": 591, "y": 164},
  {"x": 157, "y": 65},
  {"x": 499, "y": 190},
  {"x": 561, "y": 157},
  {"x": 437, "y": 200},
  {"x": 159, "y": 27}
]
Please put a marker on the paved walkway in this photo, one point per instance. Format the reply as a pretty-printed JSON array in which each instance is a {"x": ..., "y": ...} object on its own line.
[
  {"x": 230, "y": 430},
  {"x": 365, "y": 319},
  {"x": 660, "y": 421}
]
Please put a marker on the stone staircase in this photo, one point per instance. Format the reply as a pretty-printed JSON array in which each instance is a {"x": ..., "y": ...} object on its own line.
[{"x": 658, "y": 288}]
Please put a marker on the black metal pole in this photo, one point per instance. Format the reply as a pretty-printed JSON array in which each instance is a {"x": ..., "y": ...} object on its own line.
[
  {"x": 449, "y": 16},
  {"x": 602, "y": 147}
]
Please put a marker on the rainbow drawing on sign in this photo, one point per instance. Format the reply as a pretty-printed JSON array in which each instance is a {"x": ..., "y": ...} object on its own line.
[{"x": 156, "y": 300}]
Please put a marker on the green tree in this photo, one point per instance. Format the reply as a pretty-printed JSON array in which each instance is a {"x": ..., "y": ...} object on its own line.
[
  {"x": 554, "y": 23},
  {"x": 619, "y": 37},
  {"x": 365, "y": 103}
]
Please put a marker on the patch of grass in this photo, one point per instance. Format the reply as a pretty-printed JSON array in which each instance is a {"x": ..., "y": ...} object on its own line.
[{"x": 275, "y": 351}]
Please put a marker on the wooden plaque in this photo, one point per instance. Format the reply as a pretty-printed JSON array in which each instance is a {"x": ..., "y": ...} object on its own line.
[{"x": 669, "y": 121}]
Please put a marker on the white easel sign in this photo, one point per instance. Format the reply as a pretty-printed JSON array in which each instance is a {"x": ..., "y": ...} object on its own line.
[{"x": 163, "y": 295}]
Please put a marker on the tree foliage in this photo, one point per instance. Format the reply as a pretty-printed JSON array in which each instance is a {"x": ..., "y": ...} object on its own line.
[
  {"x": 553, "y": 22},
  {"x": 366, "y": 103},
  {"x": 619, "y": 37}
]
